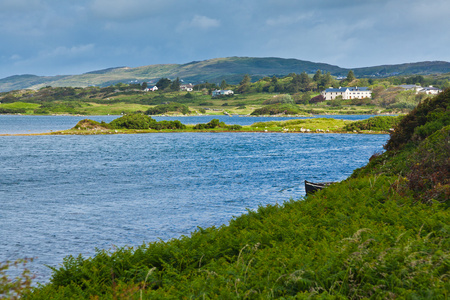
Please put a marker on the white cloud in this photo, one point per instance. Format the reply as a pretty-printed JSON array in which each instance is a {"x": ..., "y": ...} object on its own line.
[
  {"x": 202, "y": 22},
  {"x": 69, "y": 51},
  {"x": 288, "y": 20},
  {"x": 12, "y": 6},
  {"x": 124, "y": 10}
]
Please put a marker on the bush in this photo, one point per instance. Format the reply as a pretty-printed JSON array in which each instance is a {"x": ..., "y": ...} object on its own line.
[
  {"x": 167, "y": 125},
  {"x": 279, "y": 99},
  {"x": 381, "y": 123},
  {"x": 428, "y": 117},
  {"x": 275, "y": 109},
  {"x": 168, "y": 107},
  {"x": 133, "y": 121},
  {"x": 317, "y": 99},
  {"x": 12, "y": 110},
  {"x": 214, "y": 123}
]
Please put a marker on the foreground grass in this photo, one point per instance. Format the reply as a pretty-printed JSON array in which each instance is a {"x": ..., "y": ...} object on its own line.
[{"x": 356, "y": 239}]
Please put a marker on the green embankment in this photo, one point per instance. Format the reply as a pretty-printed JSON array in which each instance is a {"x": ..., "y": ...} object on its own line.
[{"x": 381, "y": 234}]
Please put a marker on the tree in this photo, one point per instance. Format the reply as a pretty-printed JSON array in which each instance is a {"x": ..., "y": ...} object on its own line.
[
  {"x": 175, "y": 86},
  {"x": 223, "y": 84},
  {"x": 163, "y": 83},
  {"x": 244, "y": 85},
  {"x": 144, "y": 85},
  {"x": 350, "y": 76},
  {"x": 317, "y": 76}
]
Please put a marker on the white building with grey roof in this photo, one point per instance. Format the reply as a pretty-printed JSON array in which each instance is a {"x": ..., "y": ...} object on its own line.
[{"x": 347, "y": 93}]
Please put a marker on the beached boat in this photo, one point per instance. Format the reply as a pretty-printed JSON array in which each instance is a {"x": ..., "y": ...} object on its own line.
[{"x": 312, "y": 187}]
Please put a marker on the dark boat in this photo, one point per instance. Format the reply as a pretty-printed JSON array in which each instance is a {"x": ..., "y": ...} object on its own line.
[{"x": 312, "y": 187}]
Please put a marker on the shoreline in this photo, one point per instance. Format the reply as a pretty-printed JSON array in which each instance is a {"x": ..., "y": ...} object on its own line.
[{"x": 133, "y": 131}]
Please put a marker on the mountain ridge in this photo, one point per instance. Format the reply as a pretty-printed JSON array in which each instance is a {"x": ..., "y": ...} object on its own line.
[{"x": 215, "y": 70}]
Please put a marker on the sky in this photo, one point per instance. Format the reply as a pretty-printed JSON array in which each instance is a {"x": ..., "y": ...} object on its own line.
[{"x": 65, "y": 37}]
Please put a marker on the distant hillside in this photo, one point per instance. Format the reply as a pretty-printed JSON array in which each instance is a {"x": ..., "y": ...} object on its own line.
[
  {"x": 421, "y": 68},
  {"x": 215, "y": 70}
]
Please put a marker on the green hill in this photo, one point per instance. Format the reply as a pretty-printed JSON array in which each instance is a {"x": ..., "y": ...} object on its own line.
[{"x": 215, "y": 70}]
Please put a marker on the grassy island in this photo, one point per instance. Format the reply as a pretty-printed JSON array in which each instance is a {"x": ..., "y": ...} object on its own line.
[
  {"x": 140, "y": 123},
  {"x": 383, "y": 233}
]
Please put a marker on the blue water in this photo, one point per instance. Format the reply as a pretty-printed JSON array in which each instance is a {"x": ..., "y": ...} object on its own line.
[
  {"x": 62, "y": 195},
  {"x": 17, "y": 124}
]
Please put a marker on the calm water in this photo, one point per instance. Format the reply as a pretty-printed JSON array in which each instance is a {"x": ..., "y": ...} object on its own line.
[{"x": 64, "y": 195}]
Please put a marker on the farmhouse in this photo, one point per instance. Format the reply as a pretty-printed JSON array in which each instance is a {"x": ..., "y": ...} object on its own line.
[
  {"x": 217, "y": 93},
  {"x": 151, "y": 88},
  {"x": 187, "y": 87},
  {"x": 347, "y": 93},
  {"x": 430, "y": 90}
]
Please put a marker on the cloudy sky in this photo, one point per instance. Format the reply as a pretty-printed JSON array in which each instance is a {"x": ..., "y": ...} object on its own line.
[{"x": 51, "y": 37}]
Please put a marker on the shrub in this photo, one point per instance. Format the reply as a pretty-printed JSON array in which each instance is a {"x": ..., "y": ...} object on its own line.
[
  {"x": 279, "y": 99},
  {"x": 168, "y": 107},
  {"x": 428, "y": 117},
  {"x": 317, "y": 99},
  {"x": 381, "y": 123},
  {"x": 14, "y": 289},
  {"x": 210, "y": 125},
  {"x": 12, "y": 110},
  {"x": 87, "y": 124},
  {"x": 275, "y": 109},
  {"x": 133, "y": 121}
]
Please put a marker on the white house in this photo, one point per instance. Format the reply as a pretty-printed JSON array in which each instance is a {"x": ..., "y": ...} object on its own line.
[
  {"x": 216, "y": 93},
  {"x": 430, "y": 90},
  {"x": 347, "y": 93},
  {"x": 151, "y": 88},
  {"x": 411, "y": 87},
  {"x": 187, "y": 87}
]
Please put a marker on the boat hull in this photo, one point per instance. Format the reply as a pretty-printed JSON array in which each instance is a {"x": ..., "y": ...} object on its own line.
[{"x": 312, "y": 187}]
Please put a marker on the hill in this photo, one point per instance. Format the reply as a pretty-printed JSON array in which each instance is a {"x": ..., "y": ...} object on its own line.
[{"x": 215, "y": 70}]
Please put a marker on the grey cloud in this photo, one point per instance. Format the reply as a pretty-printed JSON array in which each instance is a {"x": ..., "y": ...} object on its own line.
[{"x": 60, "y": 37}]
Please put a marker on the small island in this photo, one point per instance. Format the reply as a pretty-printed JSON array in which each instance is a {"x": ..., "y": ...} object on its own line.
[{"x": 140, "y": 123}]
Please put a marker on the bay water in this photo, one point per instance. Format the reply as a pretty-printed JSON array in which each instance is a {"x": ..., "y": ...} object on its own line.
[{"x": 67, "y": 195}]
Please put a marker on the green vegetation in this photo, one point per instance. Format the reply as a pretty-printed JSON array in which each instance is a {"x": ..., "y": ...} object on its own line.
[
  {"x": 293, "y": 94},
  {"x": 215, "y": 123},
  {"x": 384, "y": 123},
  {"x": 13, "y": 289},
  {"x": 131, "y": 121},
  {"x": 170, "y": 107},
  {"x": 277, "y": 109},
  {"x": 304, "y": 125},
  {"x": 381, "y": 234}
]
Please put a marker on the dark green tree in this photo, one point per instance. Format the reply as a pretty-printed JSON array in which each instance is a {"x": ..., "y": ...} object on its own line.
[
  {"x": 163, "y": 83},
  {"x": 175, "y": 86},
  {"x": 244, "y": 85},
  {"x": 317, "y": 76},
  {"x": 350, "y": 76},
  {"x": 223, "y": 84}
]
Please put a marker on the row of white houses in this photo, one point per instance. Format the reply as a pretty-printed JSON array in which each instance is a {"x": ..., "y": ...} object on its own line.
[
  {"x": 429, "y": 90},
  {"x": 364, "y": 92}
]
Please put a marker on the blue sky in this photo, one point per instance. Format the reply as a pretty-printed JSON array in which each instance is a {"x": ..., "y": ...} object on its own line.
[{"x": 60, "y": 37}]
